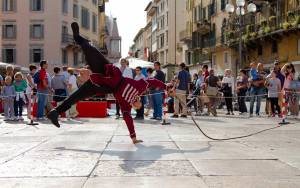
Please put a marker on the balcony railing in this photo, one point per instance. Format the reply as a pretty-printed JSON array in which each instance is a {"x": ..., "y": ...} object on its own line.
[
  {"x": 258, "y": 27},
  {"x": 202, "y": 26},
  {"x": 203, "y": 41},
  {"x": 185, "y": 35},
  {"x": 67, "y": 39}
]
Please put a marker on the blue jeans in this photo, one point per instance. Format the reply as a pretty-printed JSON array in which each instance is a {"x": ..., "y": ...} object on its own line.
[
  {"x": 157, "y": 101},
  {"x": 254, "y": 91},
  {"x": 42, "y": 101}
]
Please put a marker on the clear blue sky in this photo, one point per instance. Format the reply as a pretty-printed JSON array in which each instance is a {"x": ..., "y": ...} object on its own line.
[{"x": 130, "y": 16}]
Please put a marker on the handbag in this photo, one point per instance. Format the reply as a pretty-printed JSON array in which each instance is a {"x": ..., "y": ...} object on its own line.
[{"x": 212, "y": 91}]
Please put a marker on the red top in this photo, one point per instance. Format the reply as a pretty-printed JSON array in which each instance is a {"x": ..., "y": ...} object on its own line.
[
  {"x": 43, "y": 78},
  {"x": 127, "y": 91}
]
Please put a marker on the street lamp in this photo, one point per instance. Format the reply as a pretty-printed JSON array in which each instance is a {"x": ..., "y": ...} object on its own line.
[{"x": 240, "y": 11}]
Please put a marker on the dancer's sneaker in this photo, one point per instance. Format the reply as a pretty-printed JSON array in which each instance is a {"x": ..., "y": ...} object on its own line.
[{"x": 53, "y": 116}]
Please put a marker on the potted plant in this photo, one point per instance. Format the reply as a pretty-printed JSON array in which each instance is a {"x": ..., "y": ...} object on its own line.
[{"x": 272, "y": 21}]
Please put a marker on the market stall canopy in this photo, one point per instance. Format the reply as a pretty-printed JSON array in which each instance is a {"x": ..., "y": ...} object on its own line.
[{"x": 135, "y": 62}]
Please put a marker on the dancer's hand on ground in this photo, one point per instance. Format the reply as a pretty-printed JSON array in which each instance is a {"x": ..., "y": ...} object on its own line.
[{"x": 135, "y": 141}]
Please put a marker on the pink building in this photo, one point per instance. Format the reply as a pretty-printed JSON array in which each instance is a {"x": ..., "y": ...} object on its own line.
[{"x": 40, "y": 29}]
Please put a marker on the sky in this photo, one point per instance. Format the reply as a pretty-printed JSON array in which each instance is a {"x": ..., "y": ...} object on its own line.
[{"x": 131, "y": 17}]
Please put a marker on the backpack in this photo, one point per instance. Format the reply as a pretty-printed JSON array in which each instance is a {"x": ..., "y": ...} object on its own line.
[{"x": 36, "y": 77}]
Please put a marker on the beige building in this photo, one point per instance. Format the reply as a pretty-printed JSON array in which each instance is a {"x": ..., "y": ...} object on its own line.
[
  {"x": 40, "y": 29},
  {"x": 140, "y": 45},
  {"x": 167, "y": 20}
]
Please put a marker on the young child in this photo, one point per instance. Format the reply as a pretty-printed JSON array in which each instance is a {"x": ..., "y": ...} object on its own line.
[
  {"x": 8, "y": 94},
  {"x": 20, "y": 86},
  {"x": 253, "y": 71},
  {"x": 274, "y": 89}
]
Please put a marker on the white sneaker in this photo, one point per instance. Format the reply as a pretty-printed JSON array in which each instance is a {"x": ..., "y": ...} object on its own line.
[
  {"x": 6, "y": 119},
  {"x": 21, "y": 118}
]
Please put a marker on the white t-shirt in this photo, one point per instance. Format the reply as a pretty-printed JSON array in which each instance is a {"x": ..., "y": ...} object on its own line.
[
  {"x": 127, "y": 73},
  {"x": 229, "y": 81},
  {"x": 73, "y": 82}
]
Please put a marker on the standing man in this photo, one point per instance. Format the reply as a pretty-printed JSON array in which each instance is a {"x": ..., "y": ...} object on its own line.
[
  {"x": 59, "y": 86},
  {"x": 126, "y": 73},
  {"x": 182, "y": 84},
  {"x": 140, "y": 76},
  {"x": 157, "y": 96},
  {"x": 42, "y": 81},
  {"x": 205, "y": 72}
]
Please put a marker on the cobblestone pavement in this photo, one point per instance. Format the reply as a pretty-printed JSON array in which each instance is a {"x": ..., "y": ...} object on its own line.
[{"x": 98, "y": 153}]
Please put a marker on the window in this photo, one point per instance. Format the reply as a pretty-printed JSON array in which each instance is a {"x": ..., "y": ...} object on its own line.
[
  {"x": 75, "y": 58},
  {"x": 162, "y": 40},
  {"x": 95, "y": 2},
  {"x": 274, "y": 47},
  {"x": 259, "y": 50},
  {"x": 85, "y": 18},
  {"x": 65, "y": 37},
  {"x": 9, "y": 31},
  {"x": 64, "y": 56},
  {"x": 167, "y": 37},
  {"x": 65, "y": 6},
  {"x": 36, "y": 55},
  {"x": 225, "y": 57},
  {"x": 9, "y": 55},
  {"x": 223, "y": 4},
  {"x": 37, "y": 31},
  {"x": 36, "y": 5},
  {"x": 75, "y": 11},
  {"x": 298, "y": 46},
  {"x": 9, "y": 5},
  {"x": 94, "y": 28}
]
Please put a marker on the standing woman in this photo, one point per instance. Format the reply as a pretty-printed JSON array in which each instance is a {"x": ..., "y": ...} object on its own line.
[
  {"x": 290, "y": 91},
  {"x": 72, "y": 86},
  {"x": 228, "y": 90},
  {"x": 241, "y": 89}
]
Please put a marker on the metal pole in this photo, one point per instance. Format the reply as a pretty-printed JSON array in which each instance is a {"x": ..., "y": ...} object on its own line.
[{"x": 241, "y": 41}]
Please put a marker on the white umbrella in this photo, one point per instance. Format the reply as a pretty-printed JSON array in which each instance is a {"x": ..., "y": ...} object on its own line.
[{"x": 134, "y": 62}]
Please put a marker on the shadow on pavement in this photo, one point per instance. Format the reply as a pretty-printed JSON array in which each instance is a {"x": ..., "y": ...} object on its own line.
[{"x": 129, "y": 165}]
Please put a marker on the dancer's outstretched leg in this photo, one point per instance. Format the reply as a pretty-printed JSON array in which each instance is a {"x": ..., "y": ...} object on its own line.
[
  {"x": 86, "y": 90},
  {"x": 93, "y": 57}
]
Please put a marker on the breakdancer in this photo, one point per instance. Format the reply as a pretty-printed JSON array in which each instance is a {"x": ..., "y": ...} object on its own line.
[{"x": 106, "y": 78}]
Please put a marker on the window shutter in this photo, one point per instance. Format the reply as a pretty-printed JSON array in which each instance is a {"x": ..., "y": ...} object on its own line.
[
  {"x": 42, "y": 5},
  {"x": 42, "y": 31},
  {"x": 31, "y": 5},
  {"x": 14, "y": 6},
  {"x": 30, "y": 55},
  {"x": 14, "y": 31},
  {"x": 14, "y": 56},
  {"x": 3, "y": 5},
  {"x": 3, "y": 32},
  {"x": 4, "y": 55},
  {"x": 88, "y": 19},
  {"x": 42, "y": 54},
  {"x": 31, "y": 32}
]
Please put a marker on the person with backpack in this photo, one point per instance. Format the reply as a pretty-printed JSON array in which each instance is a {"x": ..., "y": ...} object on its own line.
[{"x": 42, "y": 81}]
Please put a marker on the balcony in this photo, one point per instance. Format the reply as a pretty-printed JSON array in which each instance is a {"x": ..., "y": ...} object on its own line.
[
  {"x": 185, "y": 36},
  {"x": 67, "y": 39},
  {"x": 258, "y": 27},
  {"x": 202, "y": 26},
  {"x": 203, "y": 41}
]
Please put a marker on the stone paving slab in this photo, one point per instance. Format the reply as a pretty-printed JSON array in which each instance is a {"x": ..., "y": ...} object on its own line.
[
  {"x": 70, "y": 182},
  {"x": 266, "y": 168},
  {"x": 148, "y": 182},
  {"x": 145, "y": 168},
  {"x": 251, "y": 182},
  {"x": 221, "y": 150},
  {"x": 144, "y": 151}
]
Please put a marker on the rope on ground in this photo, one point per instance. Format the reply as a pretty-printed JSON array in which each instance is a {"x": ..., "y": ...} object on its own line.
[{"x": 231, "y": 138}]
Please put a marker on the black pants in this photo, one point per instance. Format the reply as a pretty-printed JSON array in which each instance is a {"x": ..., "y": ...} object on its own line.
[
  {"x": 228, "y": 102},
  {"x": 18, "y": 107},
  {"x": 96, "y": 62},
  {"x": 140, "y": 112},
  {"x": 241, "y": 101},
  {"x": 274, "y": 104}
]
